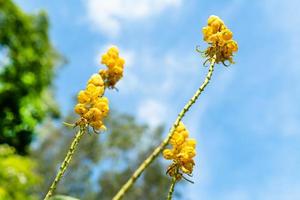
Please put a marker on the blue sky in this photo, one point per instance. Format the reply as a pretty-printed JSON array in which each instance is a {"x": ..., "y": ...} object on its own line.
[{"x": 247, "y": 120}]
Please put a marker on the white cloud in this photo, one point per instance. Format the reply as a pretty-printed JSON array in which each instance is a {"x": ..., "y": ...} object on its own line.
[
  {"x": 152, "y": 111},
  {"x": 107, "y": 16}
]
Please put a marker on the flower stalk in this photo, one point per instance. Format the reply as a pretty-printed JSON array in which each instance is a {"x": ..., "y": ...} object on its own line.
[
  {"x": 171, "y": 190},
  {"x": 165, "y": 142},
  {"x": 65, "y": 163}
]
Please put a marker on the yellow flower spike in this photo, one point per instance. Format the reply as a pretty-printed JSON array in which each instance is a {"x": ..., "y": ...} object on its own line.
[
  {"x": 182, "y": 153},
  {"x": 115, "y": 65},
  {"x": 92, "y": 107},
  {"x": 220, "y": 41}
]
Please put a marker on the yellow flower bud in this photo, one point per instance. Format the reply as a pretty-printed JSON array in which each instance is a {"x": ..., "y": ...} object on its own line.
[
  {"x": 227, "y": 34},
  {"x": 214, "y": 38},
  {"x": 117, "y": 70},
  {"x": 120, "y": 62},
  {"x": 98, "y": 125},
  {"x": 191, "y": 143},
  {"x": 232, "y": 45},
  {"x": 96, "y": 80},
  {"x": 80, "y": 109},
  {"x": 177, "y": 139},
  {"x": 113, "y": 52},
  {"x": 185, "y": 134},
  {"x": 83, "y": 97},
  {"x": 111, "y": 62},
  {"x": 187, "y": 167},
  {"x": 215, "y": 22},
  {"x": 94, "y": 91},
  {"x": 104, "y": 59},
  {"x": 93, "y": 114},
  {"x": 211, "y": 19},
  {"x": 180, "y": 127},
  {"x": 168, "y": 154},
  {"x": 207, "y": 32},
  {"x": 189, "y": 152}
]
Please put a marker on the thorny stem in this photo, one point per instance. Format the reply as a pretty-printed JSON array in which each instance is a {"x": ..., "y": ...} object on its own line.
[
  {"x": 165, "y": 142},
  {"x": 65, "y": 163},
  {"x": 171, "y": 190}
]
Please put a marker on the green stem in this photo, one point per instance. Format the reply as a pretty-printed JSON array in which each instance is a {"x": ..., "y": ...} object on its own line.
[
  {"x": 165, "y": 142},
  {"x": 171, "y": 190},
  {"x": 65, "y": 163}
]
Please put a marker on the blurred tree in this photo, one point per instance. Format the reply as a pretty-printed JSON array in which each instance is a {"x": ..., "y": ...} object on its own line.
[
  {"x": 17, "y": 177},
  {"x": 103, "y": 162},
  {"x": 27, "y": 61}
]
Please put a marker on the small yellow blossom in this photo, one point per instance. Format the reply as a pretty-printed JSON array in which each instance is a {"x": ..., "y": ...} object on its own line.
[
  {"x": 182, "y": 152},
  {"x": 115, "y": 66},
  {"x": 92, "y": 107},
  {"x": 219, "y": 37}
]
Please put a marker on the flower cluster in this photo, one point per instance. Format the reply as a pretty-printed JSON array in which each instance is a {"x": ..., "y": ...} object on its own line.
[
  {"x": 220, "y": 39},
  {"x": 115, "y": 65},
  {"x": 92, "y": 106},
  {"x": 182, "y": 153}
]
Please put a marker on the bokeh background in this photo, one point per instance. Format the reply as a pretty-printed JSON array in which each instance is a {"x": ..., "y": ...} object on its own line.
[{"x": 246, "y": 122}]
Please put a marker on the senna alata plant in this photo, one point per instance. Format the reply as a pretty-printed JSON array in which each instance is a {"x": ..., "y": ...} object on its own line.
[
  {"x": 92, "y": 106},
  {"x": 221, "y": 48}
]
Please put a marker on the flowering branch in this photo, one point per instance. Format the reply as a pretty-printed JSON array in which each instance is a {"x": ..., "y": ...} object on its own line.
[
  {"x": 92, "y": 106},
  {"x": 165, "y": 142}
]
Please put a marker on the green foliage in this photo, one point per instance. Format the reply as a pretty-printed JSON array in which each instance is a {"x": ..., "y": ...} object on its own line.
[
  {"x": 102, "y": 163},
  {"x": 26, "y": 72},
  {"x": 17, "y": 177}
]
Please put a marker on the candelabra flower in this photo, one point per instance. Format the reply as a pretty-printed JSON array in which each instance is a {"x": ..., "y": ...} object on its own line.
[
  {"x": 92, "y": 106},
  {"x": 220, "y": 41},
  {"x": 115, "y": 66},
  {"x": 182, "y": 153}
]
